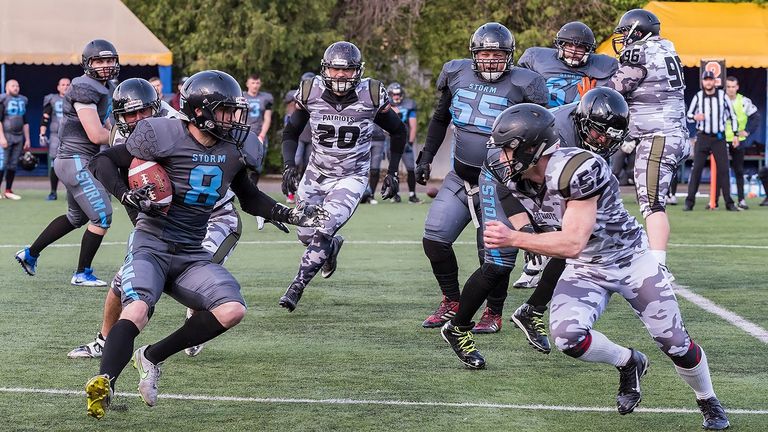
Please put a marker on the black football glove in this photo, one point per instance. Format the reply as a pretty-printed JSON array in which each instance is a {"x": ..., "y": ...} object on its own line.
[
  {"x": 290, "y": 180},
  {"x": 390, "y": 186},
  {"x": 304, "y": 215},
  {"x": 139, "y": 199},
  {"x": 281, "y": 226},
  {"x": 423, "y": 167}
]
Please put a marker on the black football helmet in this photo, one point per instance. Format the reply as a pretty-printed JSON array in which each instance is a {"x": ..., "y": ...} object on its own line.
[
  {"x": 602, "y": 120},
  {"x": 100, "y": 49},
  {"x": 223, "y": 109},
  {"x": 634, "y": 26},
  {"x": 529, "y": 131},
  {"x": 396, "y": 93},
  {"x": 28, "y": 161},
  {"x": 134, "y": 94},
  {"x": 578, "y": 34},
  {"x": 492, "y": 36},
  {"x": 342, "y": 55}
]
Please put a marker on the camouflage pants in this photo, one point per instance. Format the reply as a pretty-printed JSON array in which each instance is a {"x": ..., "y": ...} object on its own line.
[
  {"x": 656, "y": 161},
  {"x": 340, "y": 196},
  {"x": 221, "y": 237},
  {"x": 583, "y": 292}
]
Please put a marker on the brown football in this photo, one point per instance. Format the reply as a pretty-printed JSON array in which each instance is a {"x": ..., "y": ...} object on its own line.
[
  {"x": 143, "y": 172},
  {"x": 432, "y": 191}
]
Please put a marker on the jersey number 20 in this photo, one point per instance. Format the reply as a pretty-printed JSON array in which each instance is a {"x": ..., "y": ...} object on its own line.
[{"x": 345, "y": 138}]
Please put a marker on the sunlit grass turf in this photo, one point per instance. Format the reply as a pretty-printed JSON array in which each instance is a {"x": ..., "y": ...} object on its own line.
[{"x": 358, "y": 335}]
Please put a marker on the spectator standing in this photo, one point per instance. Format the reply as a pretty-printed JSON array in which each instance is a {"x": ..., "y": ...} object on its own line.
[
  {"x": 748, "y": 118},
  {"x": 14, "y": 133},
  {"x": 711, "y": 109},
  {"x": 53, "y": 113},
  {"x": 260, "y": 111},
  {"x": 175, "y": 101}
]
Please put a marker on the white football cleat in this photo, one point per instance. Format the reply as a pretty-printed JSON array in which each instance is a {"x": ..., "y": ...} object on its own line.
[
  {"x": 149, "y": 375},
  {"x": 89, "y": 350}
]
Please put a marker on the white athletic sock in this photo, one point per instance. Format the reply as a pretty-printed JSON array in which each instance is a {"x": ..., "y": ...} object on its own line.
[
  {"x": 698, "y": 378},
  {"x": 660, "y": 255},
  {"x": 602, "y": 350}
]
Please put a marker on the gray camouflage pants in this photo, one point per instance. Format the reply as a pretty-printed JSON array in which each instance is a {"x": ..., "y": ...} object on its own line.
[
  {"x": 583, "y": 292},
  {"x": 340, "y": 196},
  {"x": 656, "y": 161}
]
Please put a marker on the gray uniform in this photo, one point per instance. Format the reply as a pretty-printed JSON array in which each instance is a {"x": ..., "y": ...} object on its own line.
[
  {"x": 167, "y": 252},
  {"x": 86, "y": 197},
  {"x": 651, "y": 80},
  {"x": 56, "y": 102},
  {"x": 378, "y": 141},
  {"x": 615, "y": 259},
  {"x": 257, "y": 106},
  {"x": 14, "y": 119},
  {"x": 565, "y": 126},
  {"x": 337, "y": 174},
  {"x": 562, "y": 80},
  {"x": 474, "y": 107},
  {"x": 407, "y": 111}
]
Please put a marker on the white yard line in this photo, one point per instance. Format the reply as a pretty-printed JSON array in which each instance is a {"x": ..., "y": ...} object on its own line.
[
  {"x": 564, "y": 408},
  {"x": 388, "y": 242},
  {"x": 753, "y": 329}
]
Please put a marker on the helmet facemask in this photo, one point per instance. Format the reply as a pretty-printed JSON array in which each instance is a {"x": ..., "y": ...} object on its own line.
[
  {"x": 102, "y": 73},
  {"x": 226, "y": 120},
  {"x": 341, "y": 85},
  {"x": 517, "y": 157},
  {"x": 134, "y": 106},
  {"x": 573, "y": 53},
  {"x": 600, "y": 138},
  {"x": 491, "y": 69}
]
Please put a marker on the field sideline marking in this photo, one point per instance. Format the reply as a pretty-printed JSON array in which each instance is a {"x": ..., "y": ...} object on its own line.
[
  {"x": 65, "y": 392},
  {"x": 390, "y": 242},
  {"x": 753, "y": 329}
]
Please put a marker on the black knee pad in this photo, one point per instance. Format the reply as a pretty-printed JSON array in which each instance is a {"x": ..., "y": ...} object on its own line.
[
  {"x": 494, "y": 272},
  {"x": 437, "y": 251}
]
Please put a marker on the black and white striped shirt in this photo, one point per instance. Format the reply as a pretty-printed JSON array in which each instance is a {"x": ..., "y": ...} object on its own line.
[{"x": 717, "y": 109}]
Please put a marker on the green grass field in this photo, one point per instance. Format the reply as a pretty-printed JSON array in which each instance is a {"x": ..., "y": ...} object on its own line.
[{"x": 358, "y": 336}]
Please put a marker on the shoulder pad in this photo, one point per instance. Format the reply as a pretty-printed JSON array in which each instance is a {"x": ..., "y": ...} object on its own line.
[
  {"x": 253, "y": 150},
  {"x": 450, "y": 68},
  {"x": 633, "y": 55},
  {"x": 534, "y": 85},
  {"x": 84, "y": 92},
  {"x": 579, "y": 174},
  {"x": 305, "y": 88},
  {"x": 154, "y": 138}
]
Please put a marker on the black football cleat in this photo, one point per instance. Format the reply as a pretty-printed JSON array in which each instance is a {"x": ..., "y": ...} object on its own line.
[
  {"x": 714, "y": 414},
  {"x": 530, "y": 320},
  {"x": 329, "y": 267},
  {"x": 463, "y": 344},
  {"x": 291, "y": 298},
  {"x": 630, "y": 395}
]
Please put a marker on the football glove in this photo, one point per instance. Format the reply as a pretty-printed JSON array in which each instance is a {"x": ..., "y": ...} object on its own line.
[
  {"x": 305, "y": 215},
  {"x": 139, "y": 199},
  {"x": 290, "y": 180},
  {"x": 423, "y": 167},
  {"x": 586, "y": 84},
  {"x": 390, "y": 186},
  {"x": 628, "y": 146}
]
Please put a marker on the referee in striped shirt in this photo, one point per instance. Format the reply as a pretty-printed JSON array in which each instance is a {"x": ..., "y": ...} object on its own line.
[{"x": 710, "y": 109}]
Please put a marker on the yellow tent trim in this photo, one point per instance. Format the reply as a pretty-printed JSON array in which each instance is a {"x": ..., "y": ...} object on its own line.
[
  {"x": 55, "y": 32},
  {"x": 736, "y": 32}
]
